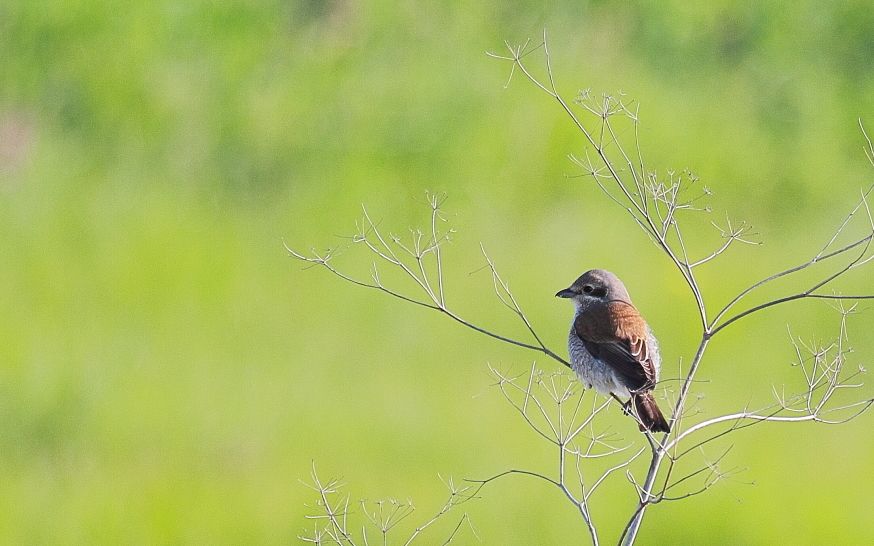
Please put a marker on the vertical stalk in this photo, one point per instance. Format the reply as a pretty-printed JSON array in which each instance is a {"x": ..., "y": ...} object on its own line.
[{"x": 659, "y": 451}]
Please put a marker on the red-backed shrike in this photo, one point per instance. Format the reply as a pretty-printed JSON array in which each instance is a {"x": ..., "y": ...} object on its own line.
[{"x": 612, "y": 348}]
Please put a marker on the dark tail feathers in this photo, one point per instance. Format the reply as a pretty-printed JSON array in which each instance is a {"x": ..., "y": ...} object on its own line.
[{"x": 648, "y": 412}]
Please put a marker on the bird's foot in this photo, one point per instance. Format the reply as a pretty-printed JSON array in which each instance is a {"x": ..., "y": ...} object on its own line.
[{"x": 626, "y": 407}]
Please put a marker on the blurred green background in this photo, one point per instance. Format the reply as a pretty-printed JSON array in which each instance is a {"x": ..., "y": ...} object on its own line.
[{"x": 168, "y": 374}]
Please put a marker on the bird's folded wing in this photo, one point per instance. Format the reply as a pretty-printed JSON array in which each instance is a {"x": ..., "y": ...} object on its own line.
[{"x": 616, "y": 334}]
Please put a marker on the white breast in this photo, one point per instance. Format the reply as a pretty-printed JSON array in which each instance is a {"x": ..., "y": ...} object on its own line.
[
  {"x": 596, "y": 374},
  {"x": 591, "y": 371}
]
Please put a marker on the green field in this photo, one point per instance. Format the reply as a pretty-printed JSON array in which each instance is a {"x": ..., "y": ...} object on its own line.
[{"x": 168, "y": 374}]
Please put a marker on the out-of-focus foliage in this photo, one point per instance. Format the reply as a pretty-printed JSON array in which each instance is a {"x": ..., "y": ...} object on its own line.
[{"x": 167, "y": 374}]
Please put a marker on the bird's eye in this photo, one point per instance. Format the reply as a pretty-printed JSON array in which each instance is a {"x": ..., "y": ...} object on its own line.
[{"x": 588, "y": 288}]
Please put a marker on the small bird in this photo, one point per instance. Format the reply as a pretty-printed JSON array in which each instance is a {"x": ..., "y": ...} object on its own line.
[{"x": 612, "y": 348}]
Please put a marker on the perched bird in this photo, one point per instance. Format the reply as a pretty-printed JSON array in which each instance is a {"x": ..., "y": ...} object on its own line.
[{"x": 612, "y": 348}]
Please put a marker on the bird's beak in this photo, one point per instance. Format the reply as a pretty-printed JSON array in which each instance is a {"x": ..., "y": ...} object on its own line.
[{"x": 566, "y": 293}]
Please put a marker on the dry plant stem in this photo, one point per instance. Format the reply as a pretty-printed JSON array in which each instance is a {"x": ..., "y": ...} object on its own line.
[
  {"x": 386, "y": 249},
  {"x": 659, "y": 452},
  {"x": 550, "y": 404},
  {"x": 635, "y": 208},
  {"x": 645, "y": 220},
  {"x": 440, "y": 307},
  {"x": 659, "y": 222},
  {"x": 811, "y": 413},
  {"x": 384, "y": 516}
]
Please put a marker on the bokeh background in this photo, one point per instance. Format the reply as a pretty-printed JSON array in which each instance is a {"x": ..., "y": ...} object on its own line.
[{"x": 168, "y": 374}]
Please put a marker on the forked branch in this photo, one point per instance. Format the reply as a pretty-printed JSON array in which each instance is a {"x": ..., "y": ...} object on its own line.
[
  {"x": 419, "y": 258},
  {"x": 589, "y": 455},
  {"x": 331, "y": 515},
  {"x": 657, "y": 205}
]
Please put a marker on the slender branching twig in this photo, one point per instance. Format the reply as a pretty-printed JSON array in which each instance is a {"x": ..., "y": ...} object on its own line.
[
  {"x": 332, "y": 511},
  {"x": 420, "y": 260},
  {"x": 656, "y": 205},
  {"x": 554, "y": 405}
]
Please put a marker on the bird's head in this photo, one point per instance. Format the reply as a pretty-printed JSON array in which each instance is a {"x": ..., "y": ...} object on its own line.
[{"x": 595, "y": 286}]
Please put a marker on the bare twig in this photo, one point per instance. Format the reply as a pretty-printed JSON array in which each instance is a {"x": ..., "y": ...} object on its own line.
[
  {"x": 332, "y": 513},
  {"x": 393, "y": 251},
  {"x": 554, "y": 405},
  {"x": 655, "y": 206}
]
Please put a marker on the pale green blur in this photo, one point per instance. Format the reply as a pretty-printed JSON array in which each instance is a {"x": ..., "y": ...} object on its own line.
[{"x": 168, "y": 374}]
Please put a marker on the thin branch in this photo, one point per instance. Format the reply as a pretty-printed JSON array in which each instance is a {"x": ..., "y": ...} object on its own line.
[{"x": 822, "y": 256}]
